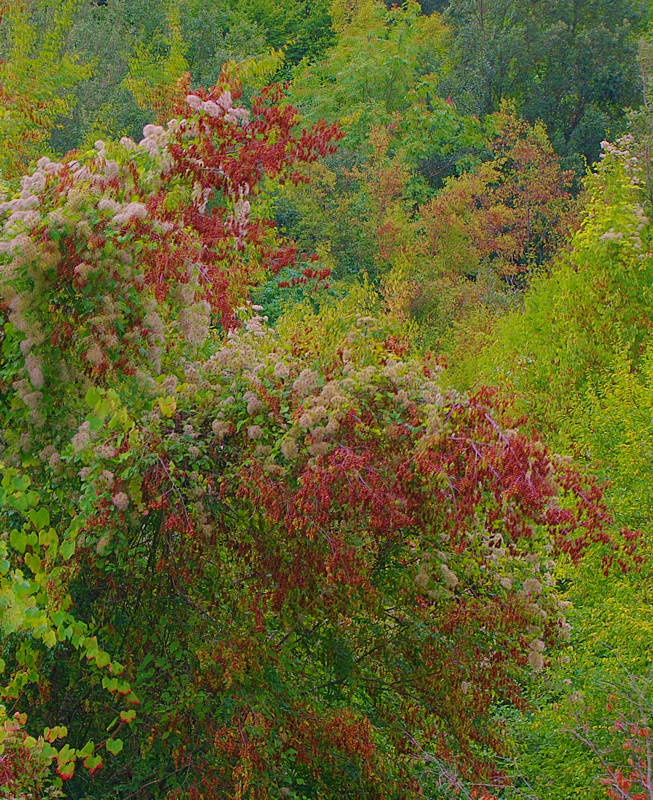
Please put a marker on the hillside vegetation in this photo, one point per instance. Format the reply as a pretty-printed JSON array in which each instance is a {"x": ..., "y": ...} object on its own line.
[{"x": 326, "y": 400}]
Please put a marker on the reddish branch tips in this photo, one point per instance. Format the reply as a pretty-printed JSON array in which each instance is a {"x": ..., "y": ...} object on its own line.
[{"x": 174, "y": 218}]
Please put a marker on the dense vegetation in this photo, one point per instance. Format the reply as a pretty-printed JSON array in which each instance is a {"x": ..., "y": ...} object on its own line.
[{"x": 326, "y": 400}]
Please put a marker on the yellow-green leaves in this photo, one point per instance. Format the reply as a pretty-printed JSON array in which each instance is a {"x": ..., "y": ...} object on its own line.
[
  {"x": 37, "y": 76},
  {"x": 155, "y": 81},
  {"x": 34, "y": 612},
  {"x": 18, "y": 540},
  {"x": 167, "y": 405}
]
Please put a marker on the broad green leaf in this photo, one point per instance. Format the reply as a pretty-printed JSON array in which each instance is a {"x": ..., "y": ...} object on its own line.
[
  {"x": 114, "y": 746},
  {"x": 18, "y": 540}
]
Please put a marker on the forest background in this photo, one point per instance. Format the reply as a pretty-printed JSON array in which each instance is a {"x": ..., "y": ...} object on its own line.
[{"x": 326, "y": 399}]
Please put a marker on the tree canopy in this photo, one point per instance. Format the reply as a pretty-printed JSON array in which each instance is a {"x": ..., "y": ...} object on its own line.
[{"x": 325, "y": 400}]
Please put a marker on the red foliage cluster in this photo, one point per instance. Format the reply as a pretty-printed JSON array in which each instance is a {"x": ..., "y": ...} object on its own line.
[
  {"x": 634, "y": 781},
  {"x": 230, "y": 160},
  {"x": 627, "y": 764},
  {"x": 21, "y": 768},
  {"x": 175, "y": 213},
  {"x": 368, "y": 571},
  {"x": 513, "y": 212}
]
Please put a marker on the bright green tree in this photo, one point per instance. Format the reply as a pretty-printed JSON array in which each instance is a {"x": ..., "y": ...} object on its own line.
[
  {"x": 577, "y": 320},
  {"x": 37, "y": 77},
  {"x": 368, "y": 73},
  {"x": 155, "y": 79},
  {"x": 579, "y": 358}
]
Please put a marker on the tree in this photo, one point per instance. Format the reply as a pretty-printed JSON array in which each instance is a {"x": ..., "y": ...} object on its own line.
[
  {"x": 572, "y": 65},
  {"x": 628, "y": 769},
  {"x": 370, "y": 69},
  {"x": 122, "y": 34},
  {"x": 513, "y": 212},
  {"x": 37, "y": 78},
  {"x": 488, "y": 231},
  {"x": 578, "y": 356},
  {"x": 595, "y": 298},
  {"x": 378, "y": 80},
  {"x": 157, "y": 82},
  {"x": 320, "y": 571}
]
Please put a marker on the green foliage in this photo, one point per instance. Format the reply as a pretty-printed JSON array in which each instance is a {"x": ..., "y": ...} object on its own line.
[
  {"x": 610, "y": 426},
  {"x": 37, "y": 78},
  {"x": 122, "y": 35},
  {"x": 153, "y": 78},
  {"x": 577, "y": 320},
  {"x": 640, "y": 120},
  {"x": 368, "y": 73},
  {"x": 609, "y": 645},
  {"x": 437, "y": 138},
  {"x": 302, "y": 29},
  {"x": 35, "y": 568},
  {"x": 571, "y": 64},
  {"x": 579, "y": 358},
  {"x": 478, "y": 242},
  {"x": 351, "y": 217}
]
